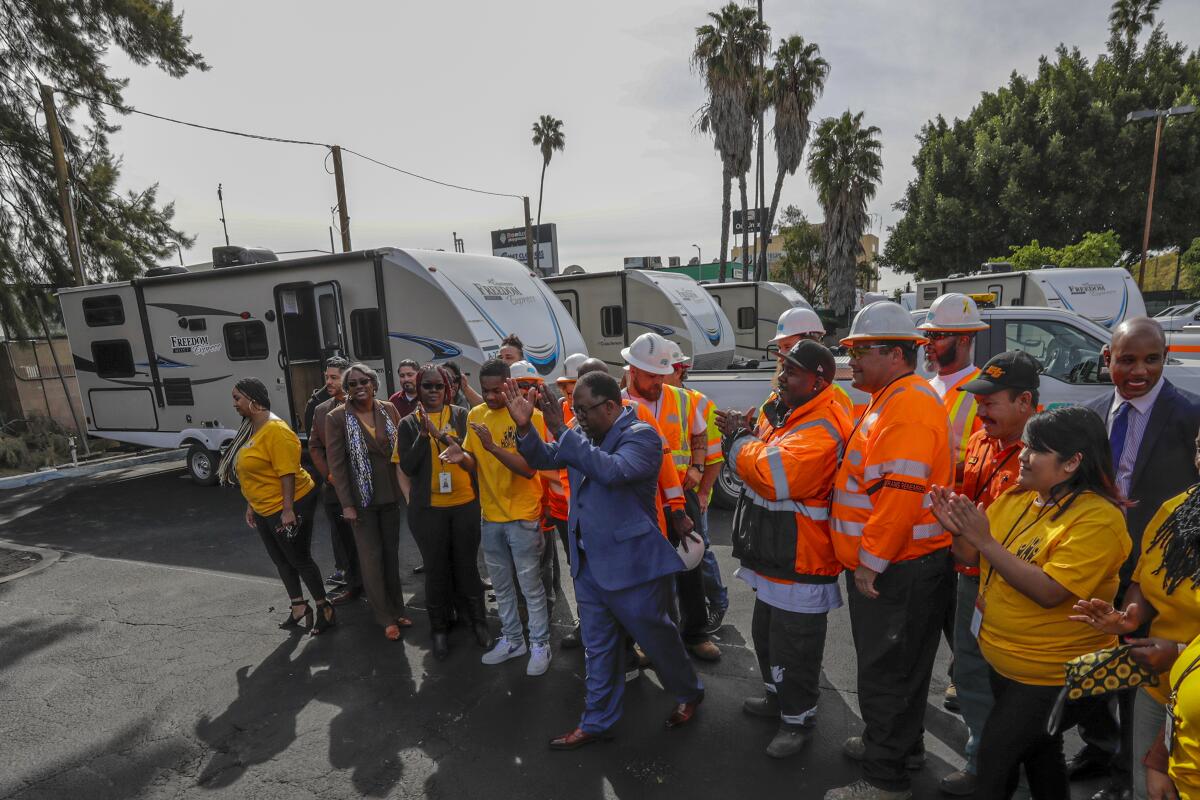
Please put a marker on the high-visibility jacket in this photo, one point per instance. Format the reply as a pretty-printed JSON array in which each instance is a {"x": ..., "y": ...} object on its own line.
[
  {"x": 989, "y": 470},
  {"x": 708, "y": 410},
  {"x": 782, "y": 522},
  {"x": 670, "y": 490},
  {"x": 881, "y": 511},
  {"x": 840, "y": 396},
  {"x": 962, "y": 411},
  {"x": 678, "y": 420}
]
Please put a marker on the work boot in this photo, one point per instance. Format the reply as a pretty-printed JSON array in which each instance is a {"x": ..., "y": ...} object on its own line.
[
  {"x": 479, "y": 623},
  {"x": 950, "y": 698},
  {"x": 861, "y": 790},
  {"x": 958, "y": 784},
  {"x": 788, "y": 741},
  {"x": 438, "y": 623},
  {"x": 765, "y": 706},
  {"x": 705, "y": 651},
  {"x": 856, "y": 748}
]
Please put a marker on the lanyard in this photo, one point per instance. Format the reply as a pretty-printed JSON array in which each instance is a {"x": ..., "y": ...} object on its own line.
[
  {"x": 1010, "y": 536},
  {"x": 983, "y": 487},
  {"x": 1172, "y": 720}
]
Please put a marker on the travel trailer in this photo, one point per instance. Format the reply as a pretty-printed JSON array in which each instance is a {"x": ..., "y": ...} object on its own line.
[
  {"x": 753, "y": 307},
  {"x": 157, "y": 357},
  {"x": 612, "y": 309},
  {"x": 1105, "y": 295}
]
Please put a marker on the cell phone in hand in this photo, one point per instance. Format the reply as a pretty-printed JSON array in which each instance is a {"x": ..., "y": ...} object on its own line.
[{"x": 289, "y": 531}]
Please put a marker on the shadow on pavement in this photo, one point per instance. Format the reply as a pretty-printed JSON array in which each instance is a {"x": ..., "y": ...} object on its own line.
[{"x": 23, "y": 638}]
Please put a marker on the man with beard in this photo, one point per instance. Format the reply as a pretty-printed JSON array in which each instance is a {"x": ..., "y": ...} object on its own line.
[
  {"x": 406, "y": 400},
  {"x": 620, "y": 561}
]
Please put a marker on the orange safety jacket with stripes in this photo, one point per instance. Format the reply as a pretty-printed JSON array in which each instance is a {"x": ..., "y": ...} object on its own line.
[
  {"x": 782, "y": 521},
  {"x": 670, "y": 490},
  {"x": 678, "y": 417},
  {"x": 962, "y": 410},
  {"x": 882, "y": 513}
]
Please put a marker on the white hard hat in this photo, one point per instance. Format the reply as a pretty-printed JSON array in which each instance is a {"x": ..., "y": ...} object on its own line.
[
  {"x": 524, "y": 371},
  {"x": 955, "y": 313},
  {"x": 677, "y": 356},
  {"x": 571, "y": 367},
  {"x": 883, "y": 320},
  {"x": 797, "y": 322},
  {"x": 649, "y": 353},
  {"x": 695, "y": 550}
]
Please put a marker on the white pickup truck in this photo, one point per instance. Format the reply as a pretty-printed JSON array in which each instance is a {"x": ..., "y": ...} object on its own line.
[{"x": 1067, "y": 345}]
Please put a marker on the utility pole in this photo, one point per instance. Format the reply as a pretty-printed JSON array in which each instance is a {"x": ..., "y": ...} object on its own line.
[
  {"x": 64, "y": 186},
  {"x": 760, "y": 194},
  {"x": 1160, "y": 115},
  {"x": 528, "y": 236},
  {"x": 221, "y": 200},
  {"x": 343, "y": 213}
]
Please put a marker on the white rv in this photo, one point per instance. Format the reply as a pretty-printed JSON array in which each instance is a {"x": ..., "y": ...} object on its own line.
[
  {"x": 753, "y": 307},
  {"x": 157, "y": 357},
  {"x": 612, "y": 309},
  {"x": 1105, "y": 295}
]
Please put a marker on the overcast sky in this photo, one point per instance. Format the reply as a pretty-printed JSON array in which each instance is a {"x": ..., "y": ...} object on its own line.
[{"x": 450, "y": 90}]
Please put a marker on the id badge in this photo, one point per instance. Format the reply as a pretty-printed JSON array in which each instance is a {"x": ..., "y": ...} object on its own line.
[
  {"x": 977, "y": 617},
  {"x": 445, "y": 485}
]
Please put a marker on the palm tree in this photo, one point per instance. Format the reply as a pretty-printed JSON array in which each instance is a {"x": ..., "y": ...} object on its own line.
[
  {"x": 726, "y": 56},
  {"x": 548, "y": 136},
  {"x": 844, "y": 166},
  {"x": 793, "y": 85}
]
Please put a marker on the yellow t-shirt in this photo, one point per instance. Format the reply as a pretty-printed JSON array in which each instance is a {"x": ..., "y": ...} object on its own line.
[
  {"x": 1185, "y": 752},
  {"x": 269, "y": 454},
  {"x": 504, "y": 496},
  {"x": 1082, "y": 549},
  {"x": 1178, "y": 616},
  {"x": 461, "y": 490}
]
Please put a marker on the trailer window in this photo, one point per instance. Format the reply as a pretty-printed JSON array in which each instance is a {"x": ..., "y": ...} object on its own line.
[
  {"x": 367, "y": 333},
  {"x": 929, "y": 294},
  {"x": 745, "y": 318},
  {"x": 178, "y": 391},
  {"x": 113, "y": 359},
  {"x": 1065, "y": 352},
  {"x": 612, "y": 321},
  {"x": 102, "y": 311},
  {"x": 327, "y": 308},
  {"x": 246, "y": 341}
]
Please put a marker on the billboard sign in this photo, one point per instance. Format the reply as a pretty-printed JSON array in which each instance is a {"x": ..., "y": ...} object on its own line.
[
  {"x": 757, "y": 219},
  {"x": 510, "y": 243}
]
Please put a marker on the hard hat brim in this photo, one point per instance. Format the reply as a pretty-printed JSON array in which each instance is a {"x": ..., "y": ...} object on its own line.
[
  {"x": 565, "y": 379},
  {"x": 653, "y": 369},
  {"x": 861, "y": 337},
  {"x": 968, "y": 328},
  {"x": 783, "y": 336}
]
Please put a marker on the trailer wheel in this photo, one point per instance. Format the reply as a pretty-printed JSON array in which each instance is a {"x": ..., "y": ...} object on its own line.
[
  {"x": 202, "y": 465},
  {"x": 727, "y": 488}
]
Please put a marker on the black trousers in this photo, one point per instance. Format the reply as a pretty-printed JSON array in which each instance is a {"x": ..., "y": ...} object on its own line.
[
  {"x": 896, "y": 638},
  {"x": 689, "y": 588},
  {"x": 1015, "y": 736},
  {"x": 448, "y": 539},
  {"x": 345, "y": 551},
  {"x": 293, "y": 557},
  {"x": 790, "y": 646},
  {"x": 377, "y": 535}
]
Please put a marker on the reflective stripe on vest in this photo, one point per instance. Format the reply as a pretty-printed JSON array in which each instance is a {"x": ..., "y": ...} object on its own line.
[
  {"x": 815, "y": 513},
  {"x": 677, "y": 417},
  {"x": 848, "y": 528},
  {"x": 897, "y": 466},
  {"x": 962, "y": 421}
]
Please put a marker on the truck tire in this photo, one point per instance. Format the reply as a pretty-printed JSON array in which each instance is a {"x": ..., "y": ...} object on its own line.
[
  {"x": 727, "y": 488},
  {"x": 202, "y": 465}
]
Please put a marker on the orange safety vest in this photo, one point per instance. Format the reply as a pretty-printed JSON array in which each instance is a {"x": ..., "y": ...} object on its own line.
[
  {"x": 708, "y": 409},
  {"x": 881, "y": 510},
  {"x": 675, "y": 409},
  {"x": 788, "y": 475},
  {"x": 962, "y": 410}
]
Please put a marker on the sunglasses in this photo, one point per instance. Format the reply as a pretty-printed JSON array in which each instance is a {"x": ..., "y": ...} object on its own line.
[
  {"x": 858, "y": 351},
  {"x": 430, "y": 387},
  {"x": 937, "y": 336}
]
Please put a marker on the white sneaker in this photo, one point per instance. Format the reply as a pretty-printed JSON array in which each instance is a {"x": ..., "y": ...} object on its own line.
[
  {"x": 539, "y": 659},
  {"x": 503, "y": 651}
]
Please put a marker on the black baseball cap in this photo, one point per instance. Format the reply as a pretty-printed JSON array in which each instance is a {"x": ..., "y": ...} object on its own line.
[
  {"x": 814, "y": 357},
  {"x": 1012, "y": 369}
]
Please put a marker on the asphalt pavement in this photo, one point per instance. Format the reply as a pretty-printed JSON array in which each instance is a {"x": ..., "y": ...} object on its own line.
[{"x": 146, "y": 663}]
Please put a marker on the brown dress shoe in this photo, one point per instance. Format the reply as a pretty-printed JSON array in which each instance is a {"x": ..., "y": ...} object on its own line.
[
  {"x": 578, "y": 738},
  {"x": 705, "y": 651},
  {"x": 684, "y": 712}
]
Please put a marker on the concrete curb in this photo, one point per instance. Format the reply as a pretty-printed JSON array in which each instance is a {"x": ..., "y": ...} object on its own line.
[
  {"x": 58, "y": 473},
  {"x": 49, "y": 558}
]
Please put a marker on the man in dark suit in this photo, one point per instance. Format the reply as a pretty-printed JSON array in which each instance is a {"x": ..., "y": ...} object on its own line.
[
  {"x": 622, "y": 564},
  {"x": 1152, "y": 429}
]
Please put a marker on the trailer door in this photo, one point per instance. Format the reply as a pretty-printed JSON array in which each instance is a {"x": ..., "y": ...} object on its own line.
[{"x": 310, "y": 330}]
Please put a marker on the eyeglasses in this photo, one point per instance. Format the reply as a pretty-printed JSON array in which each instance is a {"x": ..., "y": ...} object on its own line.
[
  {"x": 858, "y": 351},
  {"x": 937, "y": 336},
  {"x": 431, "y": 387},
  {"x": 352, "y": 383},
  {"x": 580, "y": 411}
]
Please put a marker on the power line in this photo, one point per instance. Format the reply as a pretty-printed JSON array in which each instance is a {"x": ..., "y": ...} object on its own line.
[{"x": 430, "y": 180}]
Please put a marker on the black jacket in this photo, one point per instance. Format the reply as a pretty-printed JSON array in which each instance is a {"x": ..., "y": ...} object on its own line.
[
  {"x": 1166, "y": 460},
  {"x": 318, "y": 396},
  {"x": 416, "y": 459}
]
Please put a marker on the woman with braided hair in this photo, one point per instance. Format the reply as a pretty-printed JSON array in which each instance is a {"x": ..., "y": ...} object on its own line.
[
  {"x": 1165, "y": 593},
  {"x": 280, "y": 499}
]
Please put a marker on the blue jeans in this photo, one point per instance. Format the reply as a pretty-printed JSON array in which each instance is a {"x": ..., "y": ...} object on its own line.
[
  {"x": 970, "y": 669},
  {"x": 510, "y": 547},
  {"x": 714, "y": 590}
]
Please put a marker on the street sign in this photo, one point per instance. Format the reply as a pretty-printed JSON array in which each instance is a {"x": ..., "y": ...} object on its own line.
[{"x": 757, "y": 219}]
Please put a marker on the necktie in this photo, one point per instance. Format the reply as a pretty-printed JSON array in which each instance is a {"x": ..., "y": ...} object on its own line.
[{"x": 1116, "y": 439}]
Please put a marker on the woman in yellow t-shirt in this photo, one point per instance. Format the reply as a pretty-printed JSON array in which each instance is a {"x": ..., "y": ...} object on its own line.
[
  {"x": 443, "y": 512},
  {"x": 1056, "y": 536},
  {"x": 1166, "y": 593},
  {"x": 265, "y": 456},
  {"x": 1173, "y": 766}
]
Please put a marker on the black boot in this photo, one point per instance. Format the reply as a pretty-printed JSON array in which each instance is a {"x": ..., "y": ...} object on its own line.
[
  {"x": 479, "y": 623},
  {"x": 438, "y": 623}
]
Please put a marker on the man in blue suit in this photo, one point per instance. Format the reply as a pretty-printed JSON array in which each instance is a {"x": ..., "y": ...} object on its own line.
[
  {"x": 620, "y": 560},
  {"x": 1152, "y": 427}
]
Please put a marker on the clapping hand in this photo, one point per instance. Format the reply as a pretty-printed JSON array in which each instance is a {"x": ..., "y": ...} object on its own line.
[
  {"x": 730, "y": 420},
  {"x": 1104, "y": 618},
  {"x": 454, "y": 454},
  {"x": 960, "y": 516},
  {"x": 519, "y": 407}
]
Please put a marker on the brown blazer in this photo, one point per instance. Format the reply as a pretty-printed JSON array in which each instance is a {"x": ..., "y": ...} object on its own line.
[
  {"x": 316, "y": 447},
  {"x": 339, "y": 464}
]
